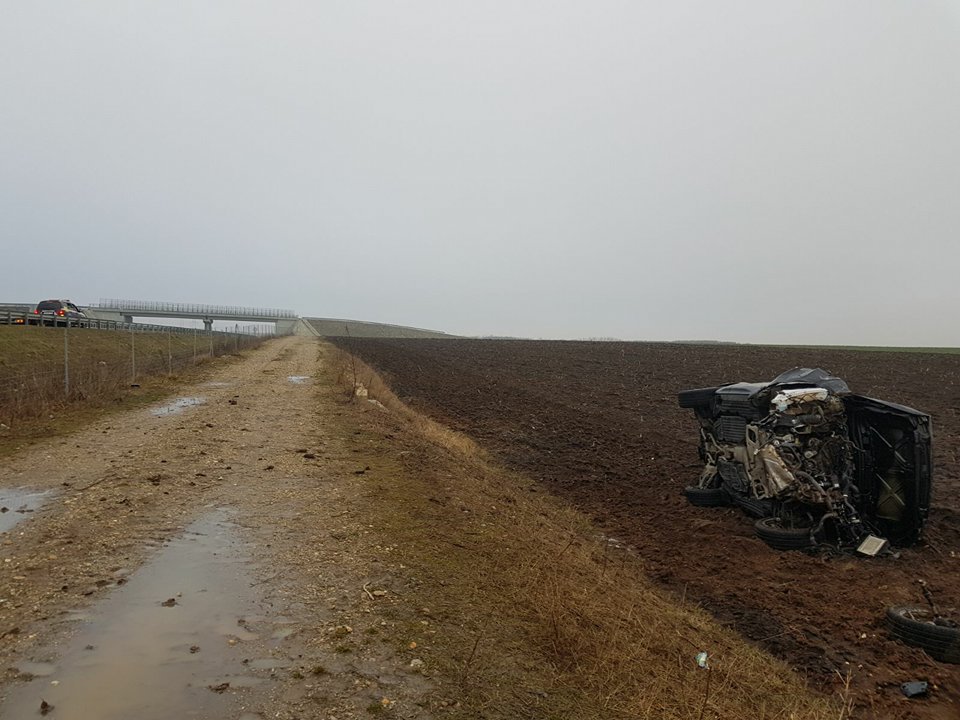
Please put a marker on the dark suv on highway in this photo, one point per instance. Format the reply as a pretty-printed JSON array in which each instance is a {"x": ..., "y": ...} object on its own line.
[
  {"x": 57, "y": 312},
  {"x": 812, "y": 461}
]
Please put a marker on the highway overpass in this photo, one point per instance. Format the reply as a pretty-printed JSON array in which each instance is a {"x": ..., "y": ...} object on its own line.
[{"x": 286, "y": 321}]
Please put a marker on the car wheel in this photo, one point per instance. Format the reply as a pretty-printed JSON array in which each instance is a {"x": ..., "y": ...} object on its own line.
[
  {"x": 917, "y": 626},
  {"x": 774, "y": 534},
  {"x": 706, "y": 497}
]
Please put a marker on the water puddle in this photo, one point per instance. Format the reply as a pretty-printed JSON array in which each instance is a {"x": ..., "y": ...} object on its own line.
[
  {"x": 170, "y": 643},
  {"x": 35, "y": 669},
  {"x": 17, "y": 504},
  {"x": 298, "y": 379},
  {"x": 177, "y": 406}
]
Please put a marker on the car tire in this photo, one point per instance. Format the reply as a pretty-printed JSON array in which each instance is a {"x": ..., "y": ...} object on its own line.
[
  {"x": 706, "y": 497},
  {"x": 915, "y": 626},
  {"x": 772, "y": 532},
  {"x": 754, "y": 507}
]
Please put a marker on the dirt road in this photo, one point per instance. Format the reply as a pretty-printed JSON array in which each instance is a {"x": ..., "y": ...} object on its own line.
[{"x": 199, "y": 560}]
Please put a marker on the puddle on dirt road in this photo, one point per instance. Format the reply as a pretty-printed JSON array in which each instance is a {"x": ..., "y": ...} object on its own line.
[
  {"x": 170, "y": 643},
  {"x": 17, "y": 504},
  {"x": 298, "y": 379},
  {"x": 177, "y": 406}
]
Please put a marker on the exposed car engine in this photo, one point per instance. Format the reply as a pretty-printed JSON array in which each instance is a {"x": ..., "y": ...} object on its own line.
[{"x": 816, "y": 463}]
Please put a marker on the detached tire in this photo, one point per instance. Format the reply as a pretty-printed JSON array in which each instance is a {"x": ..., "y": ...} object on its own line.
[
  {"x": 915, "y": 626},
  {"x": 706, "y": 497},
  {"x": 772, "y": 532}
]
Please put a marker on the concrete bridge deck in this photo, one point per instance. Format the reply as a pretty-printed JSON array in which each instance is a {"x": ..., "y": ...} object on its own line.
[{"x": 125, "y": 310}]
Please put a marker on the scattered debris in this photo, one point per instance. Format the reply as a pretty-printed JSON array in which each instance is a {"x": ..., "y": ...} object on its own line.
[
  {"x": 916, "y": 688},
  {"x": 169, "y": 602},
  {"x": 872, "y": 546}
]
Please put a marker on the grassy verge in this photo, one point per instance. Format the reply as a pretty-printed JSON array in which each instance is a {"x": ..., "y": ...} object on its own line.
[
  {"x": 107, "y": 370},
  {"x": 530, "y": 613}
]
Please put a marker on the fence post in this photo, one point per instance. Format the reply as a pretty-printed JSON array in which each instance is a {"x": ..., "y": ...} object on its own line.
[
  {"x": 169, "y": 354},
  {"x": 66, "y": 360},
  {"x": 133, "y": 356}
]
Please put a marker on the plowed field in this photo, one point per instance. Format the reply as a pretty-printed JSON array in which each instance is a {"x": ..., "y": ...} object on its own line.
[{"x": 599, "y": 424}]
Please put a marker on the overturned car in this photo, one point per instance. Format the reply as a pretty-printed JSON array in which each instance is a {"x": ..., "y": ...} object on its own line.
[{"x": 815, "y": 463}]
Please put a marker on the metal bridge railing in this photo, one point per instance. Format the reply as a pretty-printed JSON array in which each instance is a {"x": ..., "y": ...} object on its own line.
[{"x": 132, "y": 306}]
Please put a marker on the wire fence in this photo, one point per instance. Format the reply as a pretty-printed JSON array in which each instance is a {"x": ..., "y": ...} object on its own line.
[{"x": 93, "y": 367}]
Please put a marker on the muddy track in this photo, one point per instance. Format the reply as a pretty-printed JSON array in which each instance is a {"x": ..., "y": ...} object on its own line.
[
  {"x": 201, "y": 560},
  {"x": 599, "y": 424}
]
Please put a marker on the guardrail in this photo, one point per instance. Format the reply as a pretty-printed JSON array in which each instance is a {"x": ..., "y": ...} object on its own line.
[{"x": 29, "y": 318}]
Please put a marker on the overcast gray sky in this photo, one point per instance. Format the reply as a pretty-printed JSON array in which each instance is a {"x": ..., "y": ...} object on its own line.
[{"x": 753, "y": 170}]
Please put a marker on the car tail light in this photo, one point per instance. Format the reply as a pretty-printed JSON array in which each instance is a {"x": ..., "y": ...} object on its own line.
[
  {"x": 36, "y": 312},
  {"x": 61, "y": 313}
]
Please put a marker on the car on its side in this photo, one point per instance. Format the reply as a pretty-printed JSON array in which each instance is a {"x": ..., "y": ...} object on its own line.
[
  {"x": 58, "y": 312},
  {"x": 813, "y": 462}
]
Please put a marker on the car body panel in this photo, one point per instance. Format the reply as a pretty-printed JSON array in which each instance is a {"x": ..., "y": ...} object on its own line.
[{"x": 894, "y": 466}]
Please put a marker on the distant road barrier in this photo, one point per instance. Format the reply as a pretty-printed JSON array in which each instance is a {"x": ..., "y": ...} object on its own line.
[{"x": 10, "y": 317}]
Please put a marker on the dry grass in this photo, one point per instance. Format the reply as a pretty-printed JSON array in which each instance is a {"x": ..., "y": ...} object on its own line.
[
  {"x": 102, "y": 363},
  {"x": 360, "y": 380},
  {"x": 540, "y": 616},
  {"x": 33, "y": 404}
]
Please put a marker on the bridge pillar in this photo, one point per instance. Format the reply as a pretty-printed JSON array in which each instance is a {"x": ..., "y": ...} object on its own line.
[
  {"x": 208, "y": 325},
  {"x": 128, "y": 319}
]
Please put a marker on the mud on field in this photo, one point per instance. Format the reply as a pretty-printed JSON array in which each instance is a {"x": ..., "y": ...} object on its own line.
[{"x": 599, "y": 424}]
